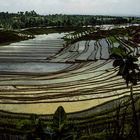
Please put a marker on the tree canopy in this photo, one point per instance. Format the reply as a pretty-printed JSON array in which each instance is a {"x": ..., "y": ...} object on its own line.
[{"x": 32, "y": 19}]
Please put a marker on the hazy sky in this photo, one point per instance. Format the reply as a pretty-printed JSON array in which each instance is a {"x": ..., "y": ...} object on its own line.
[{"x": 103, "y": 7}]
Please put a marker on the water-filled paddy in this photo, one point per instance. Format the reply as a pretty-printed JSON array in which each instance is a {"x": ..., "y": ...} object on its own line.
[
  {"x": 79, "y": 82},
  {"x": 32, "y": 67}
]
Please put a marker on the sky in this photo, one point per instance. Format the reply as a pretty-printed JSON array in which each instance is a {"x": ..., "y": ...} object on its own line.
[{"x": 85, "y": 7}]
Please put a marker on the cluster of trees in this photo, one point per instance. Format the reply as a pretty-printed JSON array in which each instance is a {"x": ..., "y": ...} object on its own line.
[
  {"x": 130, "y": 72},
  {"x": 32, "y": 19}
]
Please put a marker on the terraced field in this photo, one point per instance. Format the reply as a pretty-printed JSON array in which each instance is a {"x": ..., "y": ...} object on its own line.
[{"x": 38, "y": 75}]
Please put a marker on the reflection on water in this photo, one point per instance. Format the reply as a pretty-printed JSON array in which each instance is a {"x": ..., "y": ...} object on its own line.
[
  {"x": 50, "y": 36},
  {"x": 32, "y": 51},
  {"x": 32, "y": 67}
]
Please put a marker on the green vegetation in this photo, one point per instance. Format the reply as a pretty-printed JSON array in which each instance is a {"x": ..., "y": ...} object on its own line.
[
  {"x": 110, "y": 110},
  {"x": 32, "y": 19},
  {"x": 30, "y": 23},
  {"x": 7, "y": 36},
  {"x": 45, "y": 30},
  {"x": 128, "y": 70},
  {"x": 110, "y": 124}
]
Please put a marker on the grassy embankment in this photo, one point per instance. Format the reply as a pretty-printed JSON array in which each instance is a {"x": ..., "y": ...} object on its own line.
[{"x": 9, "y": 36}]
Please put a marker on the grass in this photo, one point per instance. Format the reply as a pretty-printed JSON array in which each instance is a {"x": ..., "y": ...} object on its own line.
[
  {"x": 113, "y": 39},
  {"x": 9, "y": 36},
  {"x": 44, "y": 30}
]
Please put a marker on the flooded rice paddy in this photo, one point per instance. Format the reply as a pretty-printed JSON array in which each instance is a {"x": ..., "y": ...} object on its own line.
[{"x": 40, "y": 74}]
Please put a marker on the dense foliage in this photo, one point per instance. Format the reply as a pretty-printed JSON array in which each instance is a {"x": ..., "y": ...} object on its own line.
[{"x": 32, "y": 19}]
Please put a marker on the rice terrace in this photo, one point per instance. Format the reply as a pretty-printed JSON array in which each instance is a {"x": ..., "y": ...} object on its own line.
[{"x": 69, "y": 77}]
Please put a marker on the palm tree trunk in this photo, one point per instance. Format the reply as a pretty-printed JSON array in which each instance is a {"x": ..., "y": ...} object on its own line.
[{"x": 135, "y": 119}]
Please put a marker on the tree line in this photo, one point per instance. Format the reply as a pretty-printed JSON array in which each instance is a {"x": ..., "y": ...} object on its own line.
[{"x": 30, "y": 19}]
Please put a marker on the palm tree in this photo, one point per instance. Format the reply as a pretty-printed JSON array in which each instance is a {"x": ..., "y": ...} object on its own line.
[
  {"x": 130, "y": 72},
  {"x": 61, "y": 130}
]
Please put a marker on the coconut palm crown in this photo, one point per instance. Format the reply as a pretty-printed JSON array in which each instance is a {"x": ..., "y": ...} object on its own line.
[{"x": 126, "y": 62}]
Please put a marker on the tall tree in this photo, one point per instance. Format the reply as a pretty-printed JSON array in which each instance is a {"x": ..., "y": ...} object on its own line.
[
  {"x": 130, "y": 72},
  {"x": 62, "y": 131}
]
